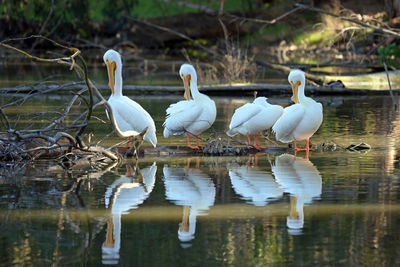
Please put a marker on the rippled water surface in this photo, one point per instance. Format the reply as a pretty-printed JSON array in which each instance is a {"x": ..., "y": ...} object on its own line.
[{"x": 334, "y": 208}]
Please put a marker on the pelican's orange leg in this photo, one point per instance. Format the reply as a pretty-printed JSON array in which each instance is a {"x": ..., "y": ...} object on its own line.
[
  {"x": 198, "y": 142},
  {"x": 257, "y": 145},
  {"x": 128, "y": 144},
  {"x": 249, "y": 139},
  {"x": 307, "y": 149},
  {"x": 189, "y": 144},
  {"x": 297, "y": 148}
]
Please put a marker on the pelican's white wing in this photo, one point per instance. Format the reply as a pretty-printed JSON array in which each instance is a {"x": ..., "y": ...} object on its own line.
[
  {"x": 288, "y": 122},
  {"x": 130, "y": 116},
  {"x": 243, "y": 114},
  {"x": 180, "y": 116}
]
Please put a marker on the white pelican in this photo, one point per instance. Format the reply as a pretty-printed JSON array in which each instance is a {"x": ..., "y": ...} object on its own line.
[
  {"x": 301, "y": 120},
  {"x": 123, "y": 195},
  {"x": 130, "y": 117},
  {"x": 193, "y": 190},
  {"x": 301, "y": 179},
  {"x": 252, "y": 118},
  {"x": 190, "y": 116},
  {"x": 254, "y": 185}
]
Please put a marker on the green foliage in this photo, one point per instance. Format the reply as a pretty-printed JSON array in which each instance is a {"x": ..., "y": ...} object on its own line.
[
  {"x": 68, "y": 11},
  {"x": 310, "y": 37},
  {"x": 389, "y": 54},
  {"x": 73, "y": 11},
  {"x": 278, "y": 30}
]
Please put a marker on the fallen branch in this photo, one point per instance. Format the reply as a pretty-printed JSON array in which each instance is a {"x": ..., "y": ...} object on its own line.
[
  {"x": 37, "y": 142},
  {"x": 378, "y": 29},
  {"x": 263, "y": 21}
]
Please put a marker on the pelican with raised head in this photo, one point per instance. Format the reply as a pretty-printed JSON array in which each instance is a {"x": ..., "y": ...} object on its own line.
[
  {"x": 301, "y": 120},
  {"x": 252, "y": 118},
  {"x": 190, "y": 116},
  {"x": 130, "y": 117}
]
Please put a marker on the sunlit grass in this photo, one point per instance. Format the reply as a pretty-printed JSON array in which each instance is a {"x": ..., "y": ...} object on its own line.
[
  {"x": 280, "y": 29},
  {"x": 313, "y": 37}
]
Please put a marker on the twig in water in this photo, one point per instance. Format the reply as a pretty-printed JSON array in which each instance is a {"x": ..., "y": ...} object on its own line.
[{"x": 394, "y": 102}]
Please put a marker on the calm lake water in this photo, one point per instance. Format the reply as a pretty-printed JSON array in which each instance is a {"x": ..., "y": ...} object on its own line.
[{"x": 336, "y": 208}]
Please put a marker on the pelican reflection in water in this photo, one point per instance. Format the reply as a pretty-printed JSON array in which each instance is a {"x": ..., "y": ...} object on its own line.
[
  {"x": 193, "y": 190},
  {"x": 255, "y": 186},
  {"x": 123, "y": 195},
  {"x": 301, "y": 179}
]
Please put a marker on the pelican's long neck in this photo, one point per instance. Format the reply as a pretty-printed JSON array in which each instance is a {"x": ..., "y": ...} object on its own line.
[
  {"x": 300, "y": 91},
  {"x": 118, "y": 81},
  {"x": 193, "y": 88}
]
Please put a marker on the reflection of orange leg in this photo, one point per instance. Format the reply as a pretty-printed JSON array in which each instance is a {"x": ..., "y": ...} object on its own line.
[
  {"x": 249, "y": 161},
  {"x": 256, "y": 158},
  {"x": 128, "y": 170},
  {"x": 188, "y": 163},
  {"x": 257, "y": 145},
  {"x": 256, "y": 155}
]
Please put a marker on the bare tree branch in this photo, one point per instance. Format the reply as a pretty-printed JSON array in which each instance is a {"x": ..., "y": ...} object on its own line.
[
  {"x": 183, "y": 36},
  {"x": 378, "y": 29},
  {"x": 319, "y": 79},
  {"x": 273, "y": 21},
  {"x": 27, "y": 138}
]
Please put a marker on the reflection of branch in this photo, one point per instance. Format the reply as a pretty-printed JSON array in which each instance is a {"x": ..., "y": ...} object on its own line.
[
  {"x": 394, "y": 102},
  {"x": 390, "y": 86},
  {"x": 7, "y": 122}
]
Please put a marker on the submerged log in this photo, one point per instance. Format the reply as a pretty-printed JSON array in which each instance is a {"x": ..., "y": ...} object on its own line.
[{"x": 359, "y": 84}]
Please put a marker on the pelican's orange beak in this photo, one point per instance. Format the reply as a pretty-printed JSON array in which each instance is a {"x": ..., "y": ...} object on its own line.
[
  {"x": 295, "y": 97},
  {"x": 111, "y": 67},
  {"x": 184, "y": 226},
  {"x": 110, "y": 241},
  {"x": 186, "y": 84},
  {"x": 293, "y": 210}
]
